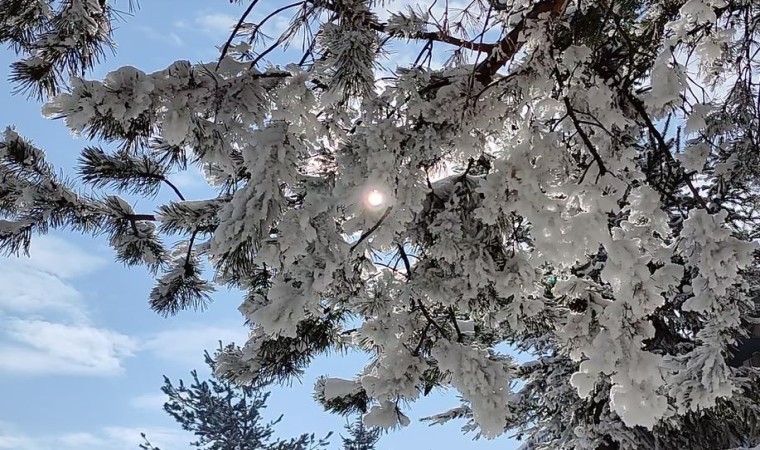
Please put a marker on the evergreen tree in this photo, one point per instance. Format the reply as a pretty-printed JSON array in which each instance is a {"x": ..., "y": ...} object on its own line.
[
  {"x": 578, "y": 180},
  {"x": 224, "y": 416},
  {"x": 360, "y": 437}
]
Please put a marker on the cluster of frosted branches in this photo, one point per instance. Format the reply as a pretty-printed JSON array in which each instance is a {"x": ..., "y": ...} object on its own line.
[{"x": 578, "y": 180}]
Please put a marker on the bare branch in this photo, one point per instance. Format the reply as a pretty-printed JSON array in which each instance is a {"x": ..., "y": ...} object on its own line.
[
  {"x": 589, "y": 145},
  {"x": 372, "y": 229},
  {"x": 510, "y": 44},
  {"x": 235, "y": 31}
]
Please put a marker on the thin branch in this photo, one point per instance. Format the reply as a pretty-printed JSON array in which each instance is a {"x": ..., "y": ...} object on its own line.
[
  {"x": 662, "y": 146},
  {"x": 438, "y": 36},
  {"x": 372, "y": 229},
  {"x": 470, "y": 163},
  {"x": 279, "y": 40},
  {"x": 430, "y": 320},
  {"x": 423, "y": 336},
  {"x": 382, "y": 264},
  {"x": 276, "y": 12},
  {"x": 141, "y": 217},
  {"x": 448, "y": 39},
  {"x": 234, "y": 33},
  {"x": 453, "y": 318},
  {"x": 404, "y": 257},
  {"x": 174, "y": 188},
  {"x": 584, "y": 137},
  {"x": 309, "y": 52},
  {"x": 190, "y": 251}
]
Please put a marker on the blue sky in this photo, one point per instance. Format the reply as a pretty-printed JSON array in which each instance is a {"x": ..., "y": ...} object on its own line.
[{"x": 81, "y": 354}]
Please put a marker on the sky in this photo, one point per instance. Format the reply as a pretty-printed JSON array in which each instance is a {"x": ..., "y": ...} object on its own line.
[{"x": 81, "y": 354}]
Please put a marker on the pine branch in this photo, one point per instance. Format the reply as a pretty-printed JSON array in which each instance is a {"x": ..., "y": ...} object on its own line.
[
  {"x": 281, "y": 39},
  {"x": 180, "y": 288},
  {"x": 67, "y": 44},
  {"x": 134, "y": 174},
  {"x": 187, "y": 216}
]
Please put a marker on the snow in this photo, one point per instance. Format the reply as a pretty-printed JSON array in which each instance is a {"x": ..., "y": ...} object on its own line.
[
  {"x": 547, "y": 178},
  {"x": 337, "y": 387}
]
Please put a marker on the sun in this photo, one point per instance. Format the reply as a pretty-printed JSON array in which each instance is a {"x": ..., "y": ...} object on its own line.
[{"x": 375, "y": 198}]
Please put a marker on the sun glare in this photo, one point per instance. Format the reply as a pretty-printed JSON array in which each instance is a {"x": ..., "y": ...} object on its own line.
[{"x": 375, "y": 198}]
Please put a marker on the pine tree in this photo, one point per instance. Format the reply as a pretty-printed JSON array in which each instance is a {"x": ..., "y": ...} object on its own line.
[
  {"x": 360, "y": 437},
  {"x": 224, "y": 416},
  {"x": 577, "y": 181}
]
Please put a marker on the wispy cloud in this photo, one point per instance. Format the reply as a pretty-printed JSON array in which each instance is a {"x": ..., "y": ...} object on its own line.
[
  {"x": 14, "y": 442},
  {"x": 192, "y": 179},
  {"x": 35, "y": 292},
  {"x": 129, "y": 437},
  {"x": 108, "y": 438},
  {"x": 41, "y": 284},
  {"x": 151, "y": 402},
  {"x": 61, "y": 258},
  {"x": 186, "y": 345},
  {"x": 164, "y": 36},
  {"x": 45, "y": 327},
  {"x": 41, "y": 348},
  {"x": 214, "y": 24},
  {"x": 79, "y": 440}
]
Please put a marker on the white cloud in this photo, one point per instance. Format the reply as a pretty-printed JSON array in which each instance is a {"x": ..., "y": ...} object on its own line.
[
  {"x": 45, "y": 327},
  {"x": 108, "y": 438},
  {"x": 61, "y": 258},
  {"x": 14, "y": 442},
  {"x": 42, "y": 283},
  {"x": 186, "y": 345},
  {"x": 192, "y": 178},
  {"x": 128, "y": 438},
  {"x": 216, "y": 24},
  {"x": 151, "y": 402},
  {"x": 79, "y": 440},
  {"x": 164, "y": 36},
  {"x": 36, "y": 339},
  {"x": 41, "y": 347},
  {"x": 31, "y": 291},
  {"x": 12, "y": 438}
]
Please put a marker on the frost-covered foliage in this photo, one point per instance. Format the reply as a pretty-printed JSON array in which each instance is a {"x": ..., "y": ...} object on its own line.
[
  {"x": 578, "y": 180},
  {"x": 224, "y": 416}
]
